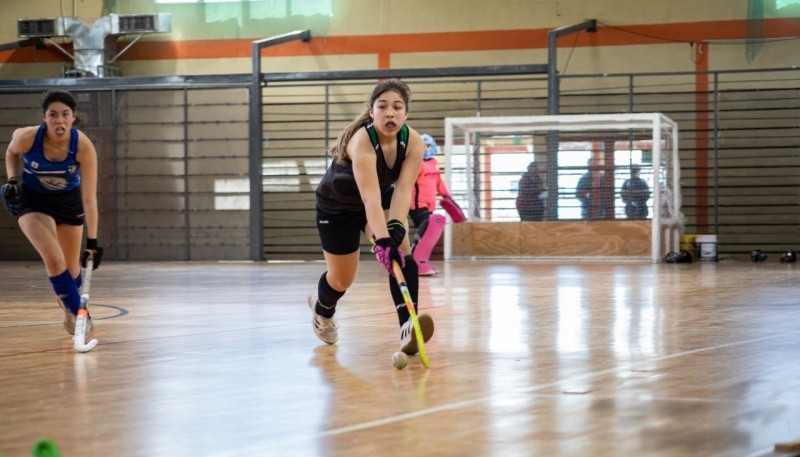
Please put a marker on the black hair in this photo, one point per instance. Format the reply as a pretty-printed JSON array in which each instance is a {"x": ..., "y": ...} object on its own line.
[{"x": 63, "y": 96}]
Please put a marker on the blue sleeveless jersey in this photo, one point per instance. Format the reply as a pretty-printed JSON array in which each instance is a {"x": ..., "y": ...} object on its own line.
[{"x": 45, "y": 176}]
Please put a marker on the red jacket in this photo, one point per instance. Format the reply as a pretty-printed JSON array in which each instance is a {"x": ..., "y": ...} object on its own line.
[{"x": 429, "y": 183}]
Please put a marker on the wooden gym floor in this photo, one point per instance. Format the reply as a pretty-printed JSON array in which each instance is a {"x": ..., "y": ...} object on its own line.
[{"x": 528, "y": 359}]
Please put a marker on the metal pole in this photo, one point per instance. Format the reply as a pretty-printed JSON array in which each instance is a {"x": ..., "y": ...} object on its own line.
[
  {"x": 256, "y": 136},
  {"x": 186, "y": 229},
  {"x": 327, "y": 122},
  {"x": 114, "y": 178},
  {"x": 590, "y": 25},
  {"x": 478, "y": 97},
  {"x": 553, "y": 108},
  {"x": 255, "y": 160},
  {"x": 716, "y": 153},
  {"x": 552, "y": 73}
]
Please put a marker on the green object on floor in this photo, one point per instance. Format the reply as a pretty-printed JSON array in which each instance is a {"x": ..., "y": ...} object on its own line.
[{"x": 45, "y": 447}]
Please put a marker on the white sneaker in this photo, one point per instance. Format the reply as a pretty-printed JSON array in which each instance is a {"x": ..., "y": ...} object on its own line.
[
  {"x": 408, "y": 339},
  {"x": 326, "y": 329},
  {"x": 69, "y": 320}
]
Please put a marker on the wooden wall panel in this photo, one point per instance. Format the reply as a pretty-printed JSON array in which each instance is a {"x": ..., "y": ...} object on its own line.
[{"x": 552, "y": 239}]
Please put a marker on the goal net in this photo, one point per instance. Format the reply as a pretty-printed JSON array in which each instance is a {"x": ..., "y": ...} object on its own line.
[{"x": 598, "y": 168}]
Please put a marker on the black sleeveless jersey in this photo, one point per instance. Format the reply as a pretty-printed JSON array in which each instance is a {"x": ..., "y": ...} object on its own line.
[{"x": 338, "y": 192}]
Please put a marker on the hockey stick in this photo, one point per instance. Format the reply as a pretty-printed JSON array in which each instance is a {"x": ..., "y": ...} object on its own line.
[
  {"x": 79, "y": 339},
  {"x": 401, "y": 281}
]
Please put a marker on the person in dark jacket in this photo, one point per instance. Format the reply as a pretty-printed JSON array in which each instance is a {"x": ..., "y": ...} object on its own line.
[{"x": 530, "y": 198}]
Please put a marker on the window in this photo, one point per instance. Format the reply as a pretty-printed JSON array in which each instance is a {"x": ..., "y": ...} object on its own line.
[{"x": 284, "y": 7}]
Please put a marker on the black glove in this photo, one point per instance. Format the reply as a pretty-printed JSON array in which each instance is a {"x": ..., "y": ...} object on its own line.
[
  {"x": 9, "y": 193},
  {"x": 91, "y": 245},
  {"x": 397, "y": 231},
  {"x": 386, "y": 250}
]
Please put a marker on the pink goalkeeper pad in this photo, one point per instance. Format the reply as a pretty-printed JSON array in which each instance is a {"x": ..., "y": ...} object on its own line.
[
  {"x": 424, "y": 248},
  {"x": 453, "y": 210}
]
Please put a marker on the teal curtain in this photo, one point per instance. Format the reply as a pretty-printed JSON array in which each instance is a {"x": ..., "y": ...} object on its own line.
[{"x": 755, "y": 29}]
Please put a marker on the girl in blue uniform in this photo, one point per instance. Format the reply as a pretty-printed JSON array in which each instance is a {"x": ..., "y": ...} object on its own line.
[
  {"x": 52, "y": 190},
  {"x": 367, "y": 188}
]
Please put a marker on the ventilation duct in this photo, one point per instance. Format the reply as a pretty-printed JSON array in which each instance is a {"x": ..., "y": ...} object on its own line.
[{"x": 94, "y": 46}]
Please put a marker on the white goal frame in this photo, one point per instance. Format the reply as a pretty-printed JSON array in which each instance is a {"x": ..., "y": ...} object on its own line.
[{"x": 671, "y": 222}]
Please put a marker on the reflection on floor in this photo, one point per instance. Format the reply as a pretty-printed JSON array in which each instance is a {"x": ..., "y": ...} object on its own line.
[{"x": 219, "y": 359}]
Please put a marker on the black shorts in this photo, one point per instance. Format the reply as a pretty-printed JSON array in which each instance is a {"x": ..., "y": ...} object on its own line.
[
  {"x": 65, "y": 208},
  {"x": 340, "y": 233},
  {"x": 419, "y": 215}
]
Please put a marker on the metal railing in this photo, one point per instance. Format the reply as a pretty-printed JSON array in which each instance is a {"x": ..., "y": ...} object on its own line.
[{"x": 174, "y": 151}]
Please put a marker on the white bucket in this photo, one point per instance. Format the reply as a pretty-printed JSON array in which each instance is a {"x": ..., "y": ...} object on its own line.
[{"x": 706, "y": 247}]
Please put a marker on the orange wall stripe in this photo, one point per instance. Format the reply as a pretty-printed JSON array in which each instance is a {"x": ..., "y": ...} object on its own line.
[
  {"x": 384, "y": 61},
  {"x": 432, "y": 42}
]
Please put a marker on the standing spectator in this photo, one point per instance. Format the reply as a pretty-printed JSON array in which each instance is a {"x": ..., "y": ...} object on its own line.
[
  {"x": 635, "y": 193},
  {"x": 530, "y": 198},
  {"x": 591, "y": 193}
]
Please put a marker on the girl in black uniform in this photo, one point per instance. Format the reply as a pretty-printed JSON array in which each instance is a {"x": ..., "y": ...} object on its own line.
[{"x": 367, "y": 188}]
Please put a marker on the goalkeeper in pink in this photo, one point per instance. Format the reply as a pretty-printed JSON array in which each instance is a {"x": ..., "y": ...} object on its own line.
[
  {"x": 367, "y": 188},
  {"x": 423, "y": 197}
]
